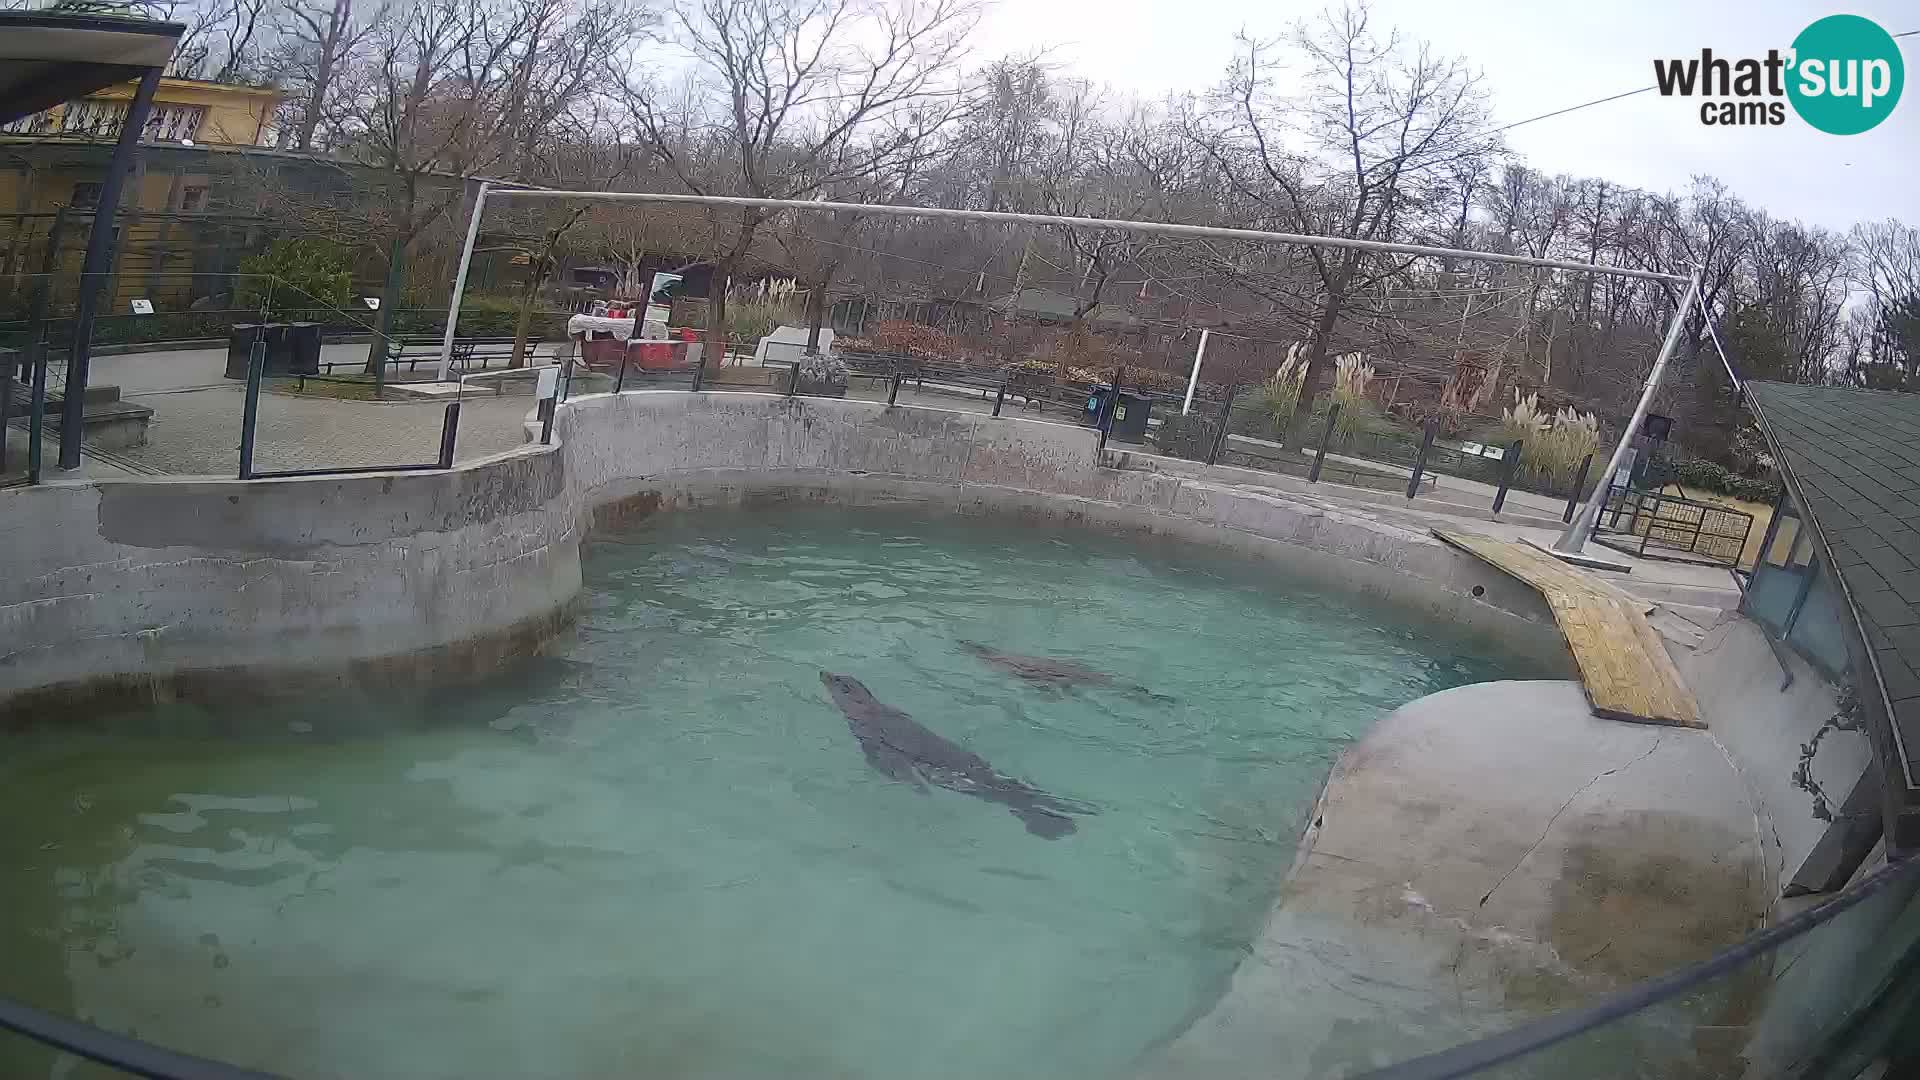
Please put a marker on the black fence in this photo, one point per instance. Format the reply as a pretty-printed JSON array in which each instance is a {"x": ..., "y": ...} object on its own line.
[{"x": 1660, "y": 526}]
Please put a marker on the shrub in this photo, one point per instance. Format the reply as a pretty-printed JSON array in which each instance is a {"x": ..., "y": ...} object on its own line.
[
  {"x": 1551, "y": 445},
  {"x": 1706, "y": 475},
  {"x": 1351, "y": 377},
  {"x": 1186, "y": 436},
  {"x": 1280, "y": 394},
  {"x": 299, "y": 273}
]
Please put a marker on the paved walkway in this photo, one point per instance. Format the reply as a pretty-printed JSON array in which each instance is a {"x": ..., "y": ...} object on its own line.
[{"x": 195, "y": 429}]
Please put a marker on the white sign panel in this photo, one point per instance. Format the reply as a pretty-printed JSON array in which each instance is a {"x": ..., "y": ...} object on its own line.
[
  {"x": 143, "y": 307},
  {"x": 372, "y": 302},
  {"x": 549, "y": 385}
]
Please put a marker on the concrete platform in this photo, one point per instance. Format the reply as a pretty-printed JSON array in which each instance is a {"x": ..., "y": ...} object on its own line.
[{"x": 1487, "y": 854}]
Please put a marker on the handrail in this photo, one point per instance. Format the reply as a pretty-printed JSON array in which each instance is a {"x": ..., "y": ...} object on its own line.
[
  {"x": 1469, "y": 1058},
  {"x": 129, "y": 1055}
]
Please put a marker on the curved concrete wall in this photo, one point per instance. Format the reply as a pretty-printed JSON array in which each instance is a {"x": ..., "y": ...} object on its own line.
[
  {"x": 195, "y": 588},
  {"x": 155, "y": 588},
  {"x": 638, "y": 452}
]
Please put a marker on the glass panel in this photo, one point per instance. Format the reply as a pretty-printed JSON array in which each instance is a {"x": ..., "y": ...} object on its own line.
[{"x": 1820, "y": 630}]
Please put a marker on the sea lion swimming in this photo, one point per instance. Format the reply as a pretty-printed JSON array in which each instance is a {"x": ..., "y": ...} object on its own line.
[
  {"x": 1050, "y": 672},
  {"x": 899, "y": 747}
]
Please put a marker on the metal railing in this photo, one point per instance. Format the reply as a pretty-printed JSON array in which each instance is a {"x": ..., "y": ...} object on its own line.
[{"x": 1655, "y": 525}]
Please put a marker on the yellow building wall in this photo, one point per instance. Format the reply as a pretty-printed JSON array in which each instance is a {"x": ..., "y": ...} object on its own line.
[{"x": 236, "y": 115}]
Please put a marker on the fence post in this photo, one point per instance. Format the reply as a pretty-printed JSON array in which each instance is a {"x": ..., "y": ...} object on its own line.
[
  {"x": 893, "y": 389},
  {"x": 1420, "y": 462},
  {"x": 1113, "y": 408},
  {"x": 449, "y": 431},
  {"x": 1220, "y": 433},
  {"x": 620, "y": 381},
  {"x": 6, "y": 404},
  {"x": 793, "y": 379},
  {"x": 36, "y": 420},
  {"x": 1320, "y": 458},
  {"x": 700, "y": 369},
  {"x": 250, "y": 411},
  {"x": 1000, "y": 398},
  {"x": 1579, "y": 483},
  {"x": 1508, "y": 462}
]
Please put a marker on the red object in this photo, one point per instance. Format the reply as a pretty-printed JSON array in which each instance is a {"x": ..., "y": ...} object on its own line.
[{"x": 655, "y": 355}]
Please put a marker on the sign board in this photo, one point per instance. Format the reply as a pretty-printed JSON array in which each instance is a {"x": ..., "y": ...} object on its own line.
[
  {"x": 372, "y": 302},
  {"x": 663, "y": 281},
  {"x": 143, "y": 307},
  {"x": 549, "y": 384}
]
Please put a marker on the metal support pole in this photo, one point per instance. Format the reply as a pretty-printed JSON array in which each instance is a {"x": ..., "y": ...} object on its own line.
[
  {"x": 1420, "y": 462},
  {"x": 1112, "y": 409},
  {"x": 1581, "y": 529},
  {"x": 93, "y": 271},
  {"x": 1508, "y": 462},
  {"x": 1220, "y": 433},
  {"x": 1579, "y": 485},
  {"x": 1193, "y": 379},
  {"x": 449, "y": 433},
  {"x": 893, "y": 389},
  {"x": 250, "y": 411},
  {"x": 1000, "y": 398},
  {"x": 1320, "y": 458},
  {"x": 460, "y": 281},
  {"x": 620, "y": 382},
  {"x": 793, "y": 379},
  {"x": 37, "y": 419},
  {"x": 700, "y": 370},
  {"x": 6, "y": 406}
]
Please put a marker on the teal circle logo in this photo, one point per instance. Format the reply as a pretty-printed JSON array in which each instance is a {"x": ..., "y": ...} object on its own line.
[{"x": 1847, "y": 74}]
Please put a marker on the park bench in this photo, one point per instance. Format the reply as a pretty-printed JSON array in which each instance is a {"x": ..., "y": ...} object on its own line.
[{"x": 469, "y": 354}]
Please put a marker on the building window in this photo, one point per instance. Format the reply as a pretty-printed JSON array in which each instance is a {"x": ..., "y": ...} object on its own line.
[
  {"x": 193, "y": 199},
  {"x": 40, "y": 123},
  {"x": 86, "y": 195},
  {"x": 92, "y": 116},
  {"x": 174, "y": 123},
  {"x": 102, "y": 118}
]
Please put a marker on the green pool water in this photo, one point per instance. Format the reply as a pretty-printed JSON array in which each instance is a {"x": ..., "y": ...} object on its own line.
[{"x": 660, "y": 852}]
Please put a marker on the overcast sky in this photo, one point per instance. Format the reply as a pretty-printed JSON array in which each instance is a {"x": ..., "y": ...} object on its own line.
[{"x": 1537, "y": 56}]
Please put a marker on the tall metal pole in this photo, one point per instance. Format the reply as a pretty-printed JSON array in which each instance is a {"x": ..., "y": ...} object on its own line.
[
  {"x": 1194, "y": 379},
  {"x": 1581, "y": 530},
  {"x": 93, "y": 271},
  {"x": 460, "y": 281},
  {"x": 1161, "y": 228}
]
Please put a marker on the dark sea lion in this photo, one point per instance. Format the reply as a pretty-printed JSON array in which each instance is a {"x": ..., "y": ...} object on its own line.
[
  {"x": 1051, "y": 672},
  {"x": 899, "y": 747}
]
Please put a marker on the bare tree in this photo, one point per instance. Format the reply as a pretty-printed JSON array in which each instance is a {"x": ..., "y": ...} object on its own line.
[
  {"x": 425, "y": 101},
  {"x": 788, "y": 98},
  {"x": 1382, "y": 127},
  {"x": 318, "y": 41}
]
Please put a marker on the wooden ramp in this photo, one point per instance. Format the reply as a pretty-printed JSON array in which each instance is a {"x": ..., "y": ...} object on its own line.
[{"x": 1623, "y": 663}]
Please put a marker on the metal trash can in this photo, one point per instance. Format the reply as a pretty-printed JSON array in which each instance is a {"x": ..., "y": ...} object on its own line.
[
  {"x": 303, "y": 349},
  {"x": 240, "y": 347}
]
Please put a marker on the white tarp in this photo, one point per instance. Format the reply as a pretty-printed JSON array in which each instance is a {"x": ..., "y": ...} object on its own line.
[
  {"x": 788, "y": 343},
  {"x": 621, "y": 329}
]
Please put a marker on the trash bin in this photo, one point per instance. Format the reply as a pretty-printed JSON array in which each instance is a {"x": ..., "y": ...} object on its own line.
[
  {"x": 240, "y": 347},
  {"x": 1129, "y": 416},
  {"x": 303, "y": 348}
]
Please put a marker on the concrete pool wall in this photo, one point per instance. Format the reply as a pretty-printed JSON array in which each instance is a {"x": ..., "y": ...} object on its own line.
[
  {"x": 152, "y": 590},
  {"x": 142, "y": 590}
]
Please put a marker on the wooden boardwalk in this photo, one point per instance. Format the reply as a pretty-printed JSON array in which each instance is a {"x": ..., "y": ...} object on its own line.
[{"x": 1624, "y": 665}]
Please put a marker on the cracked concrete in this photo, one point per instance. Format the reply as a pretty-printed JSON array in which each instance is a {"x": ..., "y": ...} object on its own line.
[{"x": 1487, "y": 854}]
